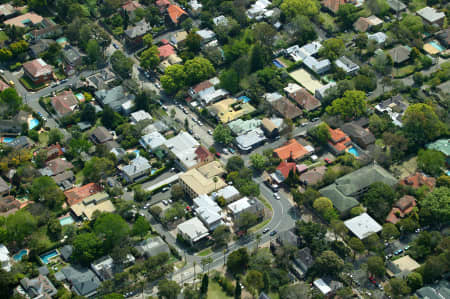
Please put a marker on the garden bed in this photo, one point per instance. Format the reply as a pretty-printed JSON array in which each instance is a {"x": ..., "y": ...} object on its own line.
[{"x": 29, "y": 85}]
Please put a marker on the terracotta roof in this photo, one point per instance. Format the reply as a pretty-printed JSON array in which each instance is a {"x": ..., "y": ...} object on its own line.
[
  {"x": 175, "y": 12},
  {"x": 292, "y": 149},
  {"x": 305, "y": 100},
  {"x": 313, "y": 176},
  {"x": 131, "y": 6},
  {"x": 37, "y": 67},
  {"x": 333, "y": 5},
  {"x": 54, "y": 151},
  {"x": 3, "y": 85},
  {"x": 162, "y": 3},
  {"x": 286, "y": 167},
  {"x": 402, "y": 207},
  {"x": 9, "y": 205},
  {"x": 419, "y": 179},
  {"x": 76, "y": 195},
  {"x": 58, "y": 165},
  {"x": 202, "y": 86},
  {"x": 64, "y": 102},
  {"x": 362, "y": 24},
  {"x": 202, "y": 153},
  {"x": 405, "y": 202},
  {"x": 23, "y": 20},
  {"x": 166, "y": 50},
  {"x": 339, "y": 140},
  {"x": 286, "y": 108}
]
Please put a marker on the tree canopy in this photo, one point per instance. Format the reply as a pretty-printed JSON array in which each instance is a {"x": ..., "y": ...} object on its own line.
[
  {"x": 351, "y": 106},
  {"x": 421, "y": 123},
  {"x": 292, "y": 8}
]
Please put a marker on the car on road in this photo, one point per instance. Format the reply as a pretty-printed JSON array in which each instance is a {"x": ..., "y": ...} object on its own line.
[
  {"x": 115, "y": 46},
  {"x": 315, "y": 119},
  {"x": 210, "y": 132},
  {"x": 170, "y": 201},
  {"x": 158, "y": 85},
  {"x": 397, "y": 252},
  {"x": 218, "y": 154},
  {"x": 165, "y": 202},
  {"x": 165, "y": 107},
  {"x": 200, "y": 123},
  {"x": 407, "y": 248},
  {"x": 231, "y": 150},
  {"x": 165, "y": 189},
  {"x": 276, "y": 196},
  {"x": 63, "y": 81},
  {"x": 266, "y": 230},
  {"x": 305, "y": 124},
  {"x": 197, "y": 137},
  {"x": 273, "y": 187},
  {"x": 11, "y": 83},
  {"x": 328, "y": 161},
  {"x": 190, "y": 131},
  {"x": 273, "y": 233},
  {"x": 225, "y": 151}
]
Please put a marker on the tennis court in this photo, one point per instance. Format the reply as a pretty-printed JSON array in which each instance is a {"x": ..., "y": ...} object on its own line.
[{"x": 305, "y": 79}]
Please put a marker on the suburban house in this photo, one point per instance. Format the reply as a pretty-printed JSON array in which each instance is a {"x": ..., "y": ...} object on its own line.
[
  {"x": 134, "y": 35},
  {"x": 303, "y": 261},
  {"x": 56, "y": 166},
  {"x": 321, "y": 92},
  {"x": 435, "y": 291},
  {"x": 83, "y": 281},
  {"x": 152, "y": 246},
  {"x": 72, "y": 59},
  {"x": 228, "y": 193},
  {"x": 348, "y": 66},
  {"x": 7, "y": 11},
  {"x": 152, "y": 141},
  {"x": 66, "y": 252},
  {"x": 101, "y": 79},
  {"x": 345, "y": 191},
  {"x": 138, "y": 168},
  {"x": 96, "y": 202},
  {"x": 162, "y": 4},
  {"x": 26, "y": 20},
  {"x": 208, "y": 211},
  {"x": 401, "y": 267},
  {"x": 362, "y": 226},
  {"x": 250, "y": 140},
  {"x": 77, "y": 194},
  {"x": 38, "y": 287},
  {"x": 302, "y": 97},
  {"x": 100, "y": 135},
  {"x": 394, "y": 107},
  {"x": 333, "y": 5},
  {"x": 166, "y": 50},
  {"x": 418, "y": 180},
  {"x": 176, "y": 14},
  {"x": 38, "y": 71},
  {"x": 64, "y": 103},
  {"x": 400, "y": 54},
  {"x": 47, "y": 29},
  {"x": 193, "y": 230},
  {"x": 239, "y": 126},
  {"x": 21, "y": 142},
  {"x": 230, "y": 109},
  {"x": 271, "y": 127},
  {"x": 292, "y": 150},
  {"x": 282, "y": 171},
  {"x": 378, "y": 37},
  {"x": 444, "y": 37},
  {"x": 139, "y": 116},
  {"x": 203, "y": 180},
  {"x": 114, "y": 98},
  {"x": 286, "y": 108},
  {"x": 65, "y": 179},
  {"x": 431, "y": 16},
  {"x": 313, "y": 176},
  {"x": 362, "y": 137},
  {"x": 339, "y": 141},
  {"x": 9, "y": 205},
  {"x": 402, "y": 207},
  {"x": 40, "y": 46},
  {"x": 363, "y": 24},
  {"x": 54, "y": 151},
  {"x": 288, "y": 238},
  {"x": 195, "y": 7},
  {"x": 206, "y": 35},
  {"x": 5, "y": 259},
  {"x": 130, "y": 7},
  {"x": 245, "y": 205},
  {"x": 103, "y": 267},
  {"x": 396, "y": 5},
  {"x": 443, "y": 146}
]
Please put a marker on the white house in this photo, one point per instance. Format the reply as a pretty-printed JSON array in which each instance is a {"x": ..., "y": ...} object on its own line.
[
  {"x": 152, "y": 140},
  {"x": 208, "y": 211},
  {"x": 137, "y": 168},
  {"x": 5, "y": 260}
]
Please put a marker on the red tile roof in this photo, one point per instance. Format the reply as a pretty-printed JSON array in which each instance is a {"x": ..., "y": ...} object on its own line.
[
  {"x": 165, "y": 51},
  {"x": 37, "y": 68},
  {"x": 418, "y": 180},
  {"x": 162, "y": 3},
  {"x": 64, "y": 102},
  {"x": 333, "y": 5},
  {"x": 292, "y": 149},
  {"x": 54, "y": 151},
  {"x": 76, "y": 195},
  {"x": 339, "y": 140},
  {"x": 305, "y": 100},
  {"x": 286, "y": 167},
  {"x": 402, "y": 207},
  {"x": 131, "y": 6},
  {"x": 58, "y": 165},
  {"x": 203, "y": 154},
  {"x": 202, "y": 86},
  {"x": 175, "y": 12}
]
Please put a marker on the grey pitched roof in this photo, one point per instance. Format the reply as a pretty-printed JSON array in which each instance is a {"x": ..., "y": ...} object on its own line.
[
  {"x": 341, "y": 202},
  {"x": 21, "y": 142},
  {"x": 83, "y": 280},
  {"x": 304, "y": 259},
  {"x": 400, "y": 54},
  {"x": 66, "y": 251},
  {"x": 4, "y": 187},
  {"x": 113, "y": 97},
  {"x": 141, "y": 28}
]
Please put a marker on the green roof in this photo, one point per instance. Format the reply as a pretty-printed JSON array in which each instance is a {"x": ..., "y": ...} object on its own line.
[
  {"x": 341, "y": 202},
  {"x": 362, "y": 178},
  {"x": 442, "y": 145}
]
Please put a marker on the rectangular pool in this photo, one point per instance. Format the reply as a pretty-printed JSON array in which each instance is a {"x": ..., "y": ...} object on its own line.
[
  {"x": 33, "y": 123},
  {"x": 66, "y": 220},
  {"x": 353, "y": 151},
  {"x": 46, "y": 257},
  {"x": 437, "y": 46}
]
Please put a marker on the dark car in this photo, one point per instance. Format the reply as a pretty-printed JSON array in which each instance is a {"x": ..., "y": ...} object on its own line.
[{"x": 273, "y": 233}]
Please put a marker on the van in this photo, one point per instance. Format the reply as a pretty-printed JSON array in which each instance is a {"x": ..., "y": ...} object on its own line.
[{"x": 11, "y": 83}]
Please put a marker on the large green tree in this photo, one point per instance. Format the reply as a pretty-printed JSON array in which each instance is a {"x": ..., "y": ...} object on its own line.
[
  {"x": 379, "y": 199},
  {"x": 222, "y": 134},
  {"x": 168, "y": 289},
  {"x": 20, "y": 225},
  {"x": 421, "y": 124},
  {"x": 174, "y": 78},
  {"x": 332, "y": 48},
  {"x": 329, "y": 263},
  {"x": 97, "y": 169},
  {"x": 44, "y": 189},
  {"x": 237, "y": 261},
  {"x": 112, "y": 227},
  {"x": 375, "y": 266},
  {"x": 320, "y": 133},
  {"x": 121, "y": 64},
  {"x": 351, "y": 106},
  {"x": 150, "y": 58},
  {"x": 292, "y": 8},
  {"x": 86, "y": 248},
  {"x": 431, "y": 162},
  {"x": 438, "y": 203},
  {"x": 198, "y": 69}
]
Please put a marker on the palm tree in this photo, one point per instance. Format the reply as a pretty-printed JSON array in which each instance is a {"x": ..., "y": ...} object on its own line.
[
  {"x": 258, "y": 239},
  {"x": 195, "y": 263},
  {"x": 215, "y": 180}
]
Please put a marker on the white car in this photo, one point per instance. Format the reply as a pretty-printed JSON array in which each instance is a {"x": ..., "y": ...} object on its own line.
[
  {"x": 226, "y": 151},
  {"x": 158, "y": 85},
  {"x": 266, "y": 230},
  {"x": 165, "y": 202},
  {"x": 200, "y": 123},
  {"x": 277, "y": 197},
  {"x": 210, "y": 132}
]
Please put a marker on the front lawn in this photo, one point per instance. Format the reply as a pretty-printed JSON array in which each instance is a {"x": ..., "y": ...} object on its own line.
[
  {"x": 205, "y": 252},
  {"x": 3, "y": 36},
  {"x": 29, "y": 85},
  {"x": 404, "y": 71},
  {"x": 215, "y": 291}
]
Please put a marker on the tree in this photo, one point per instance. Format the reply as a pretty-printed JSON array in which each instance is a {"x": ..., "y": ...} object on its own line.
[
  {"x": 304, "y": 29},
  {"x": 390, "y": 231},
  {"x": 222, "y": 134},
  {"x": 339, "y": 228},
  {"x": 204, "y": 286},
  {"x": 431, "y": 162},
  {"x": 257, "y": 57},
  {"x": 140, "y": 227},
  {"x": 150, "y": 58},
  {"x": 332, "y": 48},
  {"x": 255, "y": 281},
  {"x": 414, "y": 281},
  {"x": 177, "y": 192},
  {"x": 148, "y": 39},
  {"x": 45, "y": 189},
  {"x": 7, "y": 284},
  {"x": 193, "y": 42},
  {"x": 347, "y": 15},
  {"x": 292, "y": 8},
  {"x": 237, "y": 289},
  {"x": 229, "y": 80},
  {"x": 361, "y": 41},
  {"x": 121, "y": 64},
  {"x": 258, "y": 161},
  {"x": 322, "y": 204},
  {"x": 299, "y": 290},
  {"x": 351, "y": 106},
  {"x": 329, "y": 262},
  {"x": 375, "y": 266},
  {"x": 357, "y": 245},
  {"x": 113, "y": 228},
  {"x": 320, "y": 133},
  {"x": 383, "y": 63},
  {"x": 11, "y": 98},
  {"x": 168, "y": 289},
  {"x": 20, "y": 225},
  {"x": 264, "y": 33},
  {"x": 410, "y": 27},
  {"x": 378, "y": 7},
  {"x": 55, "y": 136},
  {"x": 113, "y": 296},
  {"x": 94, "y": 51},
  {"x": 110, "y": 118},
  {"x": 221, "y": 236},
  {"x": 438, "y": 203},
  {"x": 97, "y": 169},
  {"x": 397, "y": 288},
  {"x": 246, "y": 220},
  {"x": 198, "y": 69},
  {"x": 443, "y": 181},
  {"x": 86, "y": 248},
  {"x": 379, "y": 199},
  {"x": 88, "y": 113},
  {"x": 421, "y": 124},
  {"x": 174, "y": 78},
  {"x": 238, "y": 260}
]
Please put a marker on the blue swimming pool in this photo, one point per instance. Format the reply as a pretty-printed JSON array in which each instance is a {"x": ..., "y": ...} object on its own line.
[
  {"x": 7, "y": 140},
  {"x": 353, "y": 151},
  {"x": 45, "y": 258},
  {"x": 153, "y": 171},
  {"x": 18, "y": 256},
  {"x": 244, "y": 99},
  {"x": 136, "y": 152},
  {"x": 277, "y": 64},
  {"x": 437, "y": 46},
  {"x": 33, "y": 123},
  {"x": 66, "y": 220}
]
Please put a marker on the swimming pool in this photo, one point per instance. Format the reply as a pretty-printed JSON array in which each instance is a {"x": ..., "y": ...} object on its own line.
[
  {"x": 45, "y": 258},
  {"x": 18, "y": 256},
  {"x": 244, "y": 99},
  {"x": 437, "y": 46},
  {"x": 137, "y": 153},
  {"x": 353, "y": 151},
  {"x": 7, "y": 140},
  {"x": 33, "y": 123},
  {"x": 277, "y": 64},
  {"x": 80, "y": 97},
  {"x": 66, "y": 220}
]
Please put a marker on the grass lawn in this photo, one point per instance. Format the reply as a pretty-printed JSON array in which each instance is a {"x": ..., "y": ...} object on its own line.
[
  {"x": 404, "y": 71},
  {"x": 205, "y": 252},
  {"x": 274, "y": 295},
  {"x": 30, "y": 85},
  {"x": 60, "y": 75},
  {"x": 215, "y": 291},
  {"x": 79, "y": 177},
  {"x": 259, "y": 226},
  {"x": 3, "y": 36},
  {"x": 265, "y": 202},
  {"x": 285, "y": 61},
  {"x": 43, "y": 139},
  {"x": 328, "y": 21}
]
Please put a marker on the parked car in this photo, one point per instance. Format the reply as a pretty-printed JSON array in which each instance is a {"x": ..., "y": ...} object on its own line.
[
  {"x": 397, "y": 252},
  {"x": 273, "y": 233},
  {"x": 231, "y": 150},
  {"x": 115, "y": 46},
  {"x": 165, "y": 189},
  {"x": 197, "y": 137},
  {"x": 407, "y": 248},
  {"x": 210, "y": 132},
  {"x": 218, "y": 154},
  {"x": 158, "y": 85},
  {"x": 225, "y": 151},
  {"x": 165, "y": 202},
  {"x": 276, "y": 196},
  {"x": 266, "y": 230}
]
